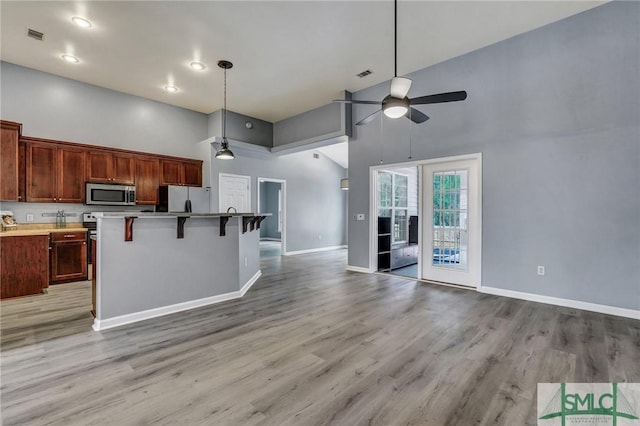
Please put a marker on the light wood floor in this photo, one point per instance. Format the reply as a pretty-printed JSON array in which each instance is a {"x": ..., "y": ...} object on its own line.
[{"x": 309, "y": 344}]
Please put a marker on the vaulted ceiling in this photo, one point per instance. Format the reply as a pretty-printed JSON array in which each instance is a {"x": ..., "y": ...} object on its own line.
[{"x": 289, "y": 56}]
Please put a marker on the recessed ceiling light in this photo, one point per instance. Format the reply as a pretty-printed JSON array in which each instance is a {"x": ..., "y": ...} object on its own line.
[
  {"x": 81, "y": 22},
  {"x": 70, "y": 58},
  {"x": 198, "y": 66},
  {"x": 170, "y": 89}
]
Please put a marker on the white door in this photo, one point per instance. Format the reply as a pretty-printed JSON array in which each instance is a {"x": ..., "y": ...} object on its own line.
[
  {"x": 235, "y": 191},
  {"x": 452, "y": 222}
]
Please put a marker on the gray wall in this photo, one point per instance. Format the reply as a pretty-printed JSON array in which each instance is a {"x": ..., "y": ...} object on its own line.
[
  {"x": 314, "y": 202},
  {"x": 54, "y": 107},
  {"x": 200, "y": 265},
  {"x": 555, "y": 113},
  {"x": 260, "y": 134},
  {"x": 269, "y": 204},
  {"x": 324, "y": 122}
]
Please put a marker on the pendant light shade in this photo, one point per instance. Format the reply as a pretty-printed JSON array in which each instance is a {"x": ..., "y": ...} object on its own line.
[{"x": 224, "y": 153}]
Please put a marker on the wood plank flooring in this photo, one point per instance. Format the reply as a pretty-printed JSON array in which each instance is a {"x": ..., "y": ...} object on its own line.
[{"x": 309, "y": 344}]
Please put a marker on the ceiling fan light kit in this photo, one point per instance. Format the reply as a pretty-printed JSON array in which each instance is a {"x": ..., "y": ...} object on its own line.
[{"x": 397, "y": 104}]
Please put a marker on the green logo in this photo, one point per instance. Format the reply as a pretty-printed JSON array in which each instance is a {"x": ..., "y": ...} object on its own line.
[{"x": 587, "y": 403}]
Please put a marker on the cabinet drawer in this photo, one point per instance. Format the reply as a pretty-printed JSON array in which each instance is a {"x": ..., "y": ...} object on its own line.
[{"x": 68, "y": 236}]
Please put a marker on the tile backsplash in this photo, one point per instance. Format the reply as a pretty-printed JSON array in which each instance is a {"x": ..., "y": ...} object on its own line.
[{"x": 46, "y": 212}]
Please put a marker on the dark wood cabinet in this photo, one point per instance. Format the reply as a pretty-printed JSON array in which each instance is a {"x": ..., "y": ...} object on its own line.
[
  {"x": 24, "y": 265},
  {"x": 54, "y": 173},
  {"x": 180, "y": 172},
  {"x": 106, "y": 166},
  {"x": 192, "y": 173},
  {"x": 9, "y": 164},
  {"x": 147, "y": 180},
  {"x": 68, "y": 256}
]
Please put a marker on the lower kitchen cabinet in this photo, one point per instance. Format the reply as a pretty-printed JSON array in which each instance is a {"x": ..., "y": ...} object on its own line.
[
  {"x": 24, "y": 265},
  {"x": 68, "y": 257}
]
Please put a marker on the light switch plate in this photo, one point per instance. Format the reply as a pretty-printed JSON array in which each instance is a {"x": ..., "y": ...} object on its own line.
[{"x": 360, "y": 216}]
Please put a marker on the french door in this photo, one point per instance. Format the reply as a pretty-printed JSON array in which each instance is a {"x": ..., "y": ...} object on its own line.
[{"x": 451, "y": 235}]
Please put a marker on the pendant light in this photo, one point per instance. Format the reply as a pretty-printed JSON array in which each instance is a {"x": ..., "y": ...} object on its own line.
[{"x": 224, "y": 153}]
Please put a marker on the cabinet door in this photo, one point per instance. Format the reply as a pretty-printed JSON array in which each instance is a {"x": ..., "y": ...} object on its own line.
[
  {"x": 123, "y": 168},
  {"x": 71, "y": 173},
  {"x": 171, "y": 172},
  {"x": 193, "y": 173},
  {"x": 24, "y": 263},
  {"x": 99, "y": 165},
  {"x": 68, "y": 261},
  {"x": 147, "y": 174},
  {"x": 9, "y": 161},
  {"x": 41, "y": 173}
]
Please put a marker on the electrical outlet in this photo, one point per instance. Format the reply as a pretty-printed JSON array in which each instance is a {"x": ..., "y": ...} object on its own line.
[
  {"x": 541, "y": 270},
  {"x": 29, "y": 217}
]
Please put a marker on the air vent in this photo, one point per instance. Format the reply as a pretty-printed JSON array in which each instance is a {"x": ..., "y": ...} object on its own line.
[
  {"x": 316, "y": 155},
  {"x": 35, "y": 34},
  {"x": 364, "y": 73}
]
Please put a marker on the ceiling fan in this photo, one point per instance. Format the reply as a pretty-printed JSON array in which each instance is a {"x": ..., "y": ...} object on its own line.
[{"x": 397, "y": 104}]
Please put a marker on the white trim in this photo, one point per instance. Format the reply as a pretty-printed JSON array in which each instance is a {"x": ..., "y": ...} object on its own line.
[
  {"x": 171, "y": 309},
  {"x": 358, "y": 269},
  {"x": 314, "y": 250},
  {"x": 220, "y": 176},
  {"x": 215, "y": 142},
  {"x": 283, "y": 219},
  {"x": 568, "y": 303},
  {"x": 250, "y": 283},
  {"x": 277, "y": 240}
]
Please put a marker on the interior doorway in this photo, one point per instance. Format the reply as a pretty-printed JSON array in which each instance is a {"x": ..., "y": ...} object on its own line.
[
  {"x": 272, "y": 199},
  {"x": 437, "y": 238},
  {"x": 398, "y": 220},
  {"x": 234, "y": 193}
]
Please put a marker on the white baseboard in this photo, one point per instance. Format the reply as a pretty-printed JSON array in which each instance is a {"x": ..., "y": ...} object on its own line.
[
  {"x": 251, "y": 282},
  {"x": 171, "y": 309},
  {"x": 568, "y": 303},
  {"x": 314, "y": 250},
  {"x": 358, "y": 269},
  {"x": 270, "y": 239}
]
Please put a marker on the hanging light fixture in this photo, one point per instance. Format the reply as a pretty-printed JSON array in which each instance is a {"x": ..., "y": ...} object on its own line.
[{"x": 224, "y": 153}]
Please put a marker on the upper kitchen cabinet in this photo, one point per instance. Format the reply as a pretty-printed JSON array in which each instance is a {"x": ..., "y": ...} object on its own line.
[
  {"x": 106, "y": 166},
  {"x": 54, "y": 173},
  {"x": 147, "y": 169},
  {"x": 10, "y": 133},
  {"x": 181, "y": 172}
]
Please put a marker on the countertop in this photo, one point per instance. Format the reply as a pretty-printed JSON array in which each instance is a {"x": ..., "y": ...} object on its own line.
[
  {"x": 119, "y": 215},
  {"x": 42, "y": 229}
]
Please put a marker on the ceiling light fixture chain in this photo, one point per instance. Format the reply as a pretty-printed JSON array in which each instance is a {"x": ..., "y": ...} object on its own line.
[{"x": 395, "y": 38}]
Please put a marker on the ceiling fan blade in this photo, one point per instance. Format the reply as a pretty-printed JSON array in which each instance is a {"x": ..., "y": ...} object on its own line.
[
  {"x": 400, "y": 87},
  {"x": 416, "y": 116},
  {"x": 439, "y": 98},
  {"x": 353, "y": 101},
  {"x": 369, "y": 118}
]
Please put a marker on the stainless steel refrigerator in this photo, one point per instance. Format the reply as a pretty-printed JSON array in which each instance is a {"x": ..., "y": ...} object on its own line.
[{"x": 173, "y": 198}]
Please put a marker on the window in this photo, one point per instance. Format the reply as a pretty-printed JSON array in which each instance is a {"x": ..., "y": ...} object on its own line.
[{"x": 392, "y": 203}]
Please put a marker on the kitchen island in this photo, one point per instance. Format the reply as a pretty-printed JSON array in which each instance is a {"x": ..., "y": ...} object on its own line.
[{"x": 152, "y": 264}]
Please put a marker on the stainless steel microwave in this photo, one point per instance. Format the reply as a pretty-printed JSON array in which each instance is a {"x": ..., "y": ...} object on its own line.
[{"x": 110, "y": 195}]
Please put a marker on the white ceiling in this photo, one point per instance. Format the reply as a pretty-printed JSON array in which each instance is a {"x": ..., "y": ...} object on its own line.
[{"x": 289, "y": 56}]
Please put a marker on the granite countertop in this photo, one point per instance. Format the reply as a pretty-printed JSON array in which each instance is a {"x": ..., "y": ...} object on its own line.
[
  {"x": 119, "y": 215},
  {"x": 41, "y": 229}
]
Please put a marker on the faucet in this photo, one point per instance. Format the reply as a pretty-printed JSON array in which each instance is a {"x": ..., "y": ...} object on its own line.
[{"x": 234, "y": 210}]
